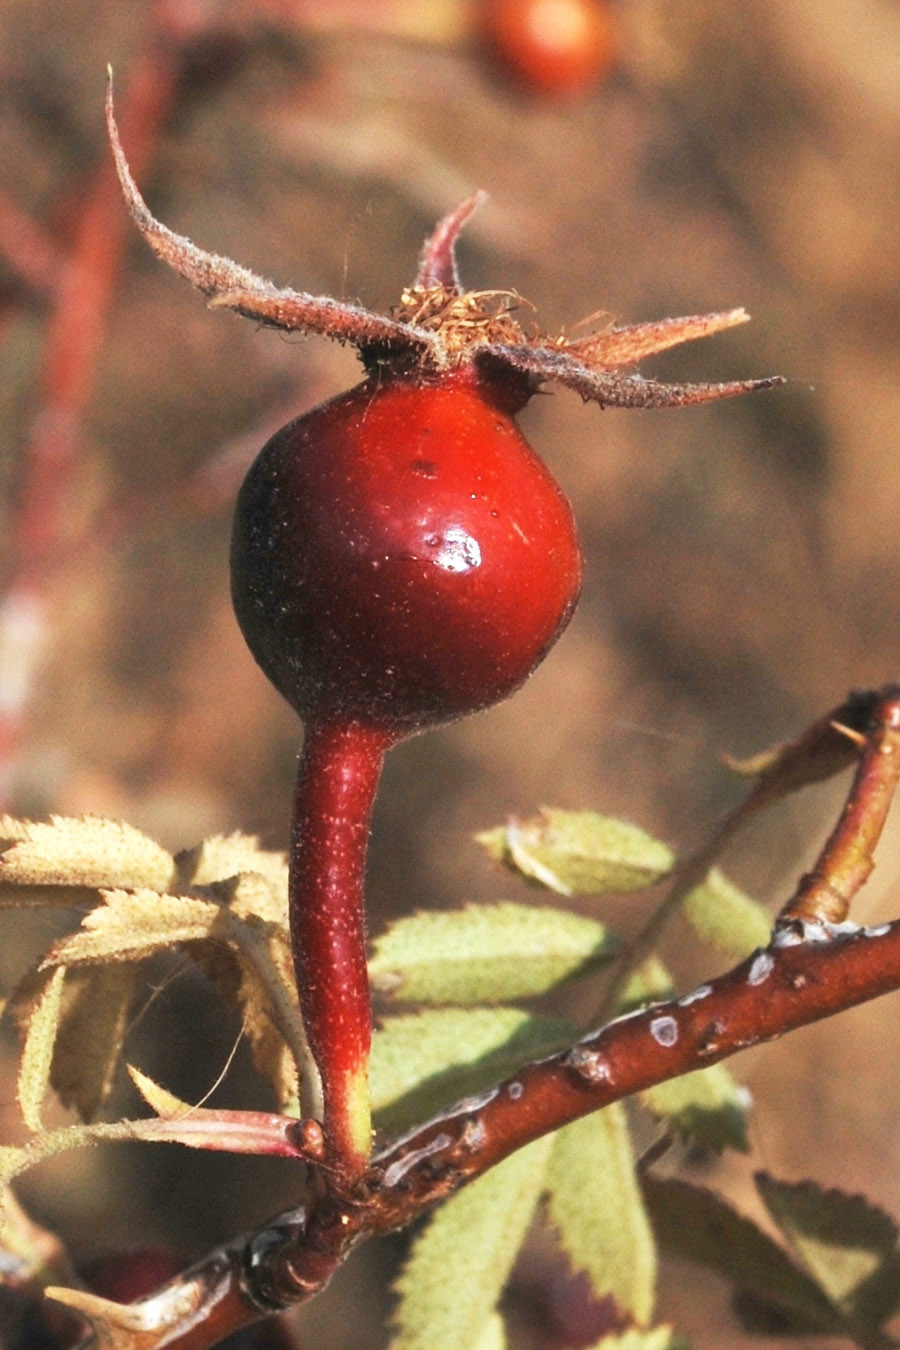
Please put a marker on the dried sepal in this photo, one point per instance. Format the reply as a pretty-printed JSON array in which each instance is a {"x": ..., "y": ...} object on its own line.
[
  {"x": 228, "y": 285},
  {"x": 608, "y": 387},
  {"x": 631, "y": 343},
  {"x": 438, "y": 325}
]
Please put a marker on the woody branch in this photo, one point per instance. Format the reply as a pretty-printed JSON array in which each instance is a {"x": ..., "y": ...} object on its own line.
[{"x": 816, "y": 965}]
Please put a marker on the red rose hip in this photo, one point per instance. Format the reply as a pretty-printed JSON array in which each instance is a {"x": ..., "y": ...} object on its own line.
[{"x": 400, "y": 555}]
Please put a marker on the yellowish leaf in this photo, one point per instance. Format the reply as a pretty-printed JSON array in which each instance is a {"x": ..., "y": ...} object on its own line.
[
  {"x": 158, "y": 1098},
  {"x": 92, "y": 1026},
  {"x": 596, "y": 1206},
  {"x": 85, "y": 851},
  {"x": 11, "y": 831},
  {"x": 37, "y": 1054},
  {"x": 224, "y": 856},
  {"x": 132, "y": 925},
  {"x": 461, "y": 1260}
]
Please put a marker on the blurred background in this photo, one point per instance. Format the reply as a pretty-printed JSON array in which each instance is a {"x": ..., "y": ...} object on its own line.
[{"x": 742, "y": 558}]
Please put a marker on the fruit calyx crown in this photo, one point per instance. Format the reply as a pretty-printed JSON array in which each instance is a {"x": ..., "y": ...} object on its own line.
[{"x": 438, "y": 326}]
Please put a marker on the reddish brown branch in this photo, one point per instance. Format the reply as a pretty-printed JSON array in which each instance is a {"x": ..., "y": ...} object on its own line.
[
  {"x": 811, "y": 969},
  {"x": 83, "y": 288},
  {"x": 825, "y": 893},
  {"x": 27, "y": 249},
  {"x": 809, "y": 972}
]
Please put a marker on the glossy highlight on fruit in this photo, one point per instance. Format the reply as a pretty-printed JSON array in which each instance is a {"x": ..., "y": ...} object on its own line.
[
  {"x": 400, "y": 558},
  {"x": 400, "y": 555}
]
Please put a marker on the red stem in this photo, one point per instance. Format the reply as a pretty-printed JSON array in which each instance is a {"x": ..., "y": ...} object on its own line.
[{"x": 336, "y": 783}]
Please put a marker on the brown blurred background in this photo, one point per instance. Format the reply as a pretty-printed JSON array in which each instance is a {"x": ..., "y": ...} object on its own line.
[{"x": 742, "y": 559}]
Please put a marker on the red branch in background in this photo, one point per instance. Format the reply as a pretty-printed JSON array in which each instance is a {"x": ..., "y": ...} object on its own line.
[{"x": 81, "y": 286}]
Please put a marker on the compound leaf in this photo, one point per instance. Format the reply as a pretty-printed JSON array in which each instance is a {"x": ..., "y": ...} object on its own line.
[
  {"x": 595, "y": 1202},
  {"x": 459, "y": 1264},
  {"x": 423, "y": 1061},
  {"x": 579, "y": 852},
  {"x": 706, "y": 1106},
  {"x": 486, "y": 954}
]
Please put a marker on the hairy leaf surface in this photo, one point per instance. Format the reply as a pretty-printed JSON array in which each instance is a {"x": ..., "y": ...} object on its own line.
[
  {"x": 595, "y": 1203},
  {"x": 37, "y": 1054},
  {"x": 486, "y": 954},
  {"x": 85, "y": 851},
  {"x": 459, "y": 1264},
  {"x": 706, "y": 1106},
  {"x": 222, "y": 857},
  {"x": 579, "y": 852},
  {"x": 425, "y": 1061},
  {"x": 95, "y": 1014}
]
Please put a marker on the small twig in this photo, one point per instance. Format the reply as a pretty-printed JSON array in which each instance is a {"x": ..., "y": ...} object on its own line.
[
  {"x": 799, "y": 979},
  {"x": 824, "y": 749},
  {"x": 825, "y": 893}
]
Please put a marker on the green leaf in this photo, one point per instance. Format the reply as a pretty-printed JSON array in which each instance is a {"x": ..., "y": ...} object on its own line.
[
  {"x": 424, "y": 1061},
  {"x": 726, "y": 918},
  {"x": 696, "y": 1225},
  {"x": 486, "y": 954},
  {"x": 459, "y": 1264},
  {"x": 847, "y": 1244},
  {"x": 37, "y": 1053},
  {"x": 595, "y": 1203},
  {"x": 579, "y": 852},
  {"x": 649, "y": 983},
  {"x": 706, "y": 1106}
]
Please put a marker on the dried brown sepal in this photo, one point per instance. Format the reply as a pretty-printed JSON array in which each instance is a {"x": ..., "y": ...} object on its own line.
[
  {"x": 438, "y": 325},
  {"x": 611, "y": 389},
  {"x": 228, "y": 285},
  {"x": 624, "y": 346}
]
